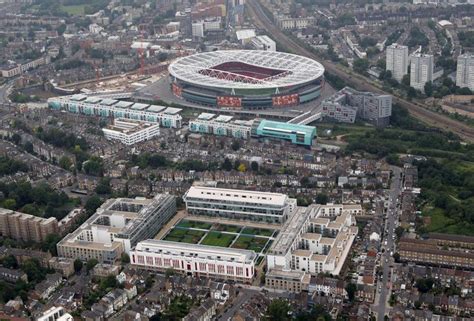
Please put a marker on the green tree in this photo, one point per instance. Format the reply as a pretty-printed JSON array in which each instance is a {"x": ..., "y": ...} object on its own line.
[
  {"x": 429, "y": 89},
  {"x": 65, "y": 162},
  {"x": 92, "y": 204},
  {"x": 235, "y": 145},
  {"x": 361, "y": 65},
  {"x": 125, "y": 258},
  {"x": 254, "y": 166},
  {"x": 10, "y": 262},
  {"x": 322, "y": 198},
  {"x": 278, "y": 310},
  {"x": 78, "y": 265},
  {"x": 351, "y": 289},
  {"x": 227, "y": 165},
  {"x": 90, "y": 264}
]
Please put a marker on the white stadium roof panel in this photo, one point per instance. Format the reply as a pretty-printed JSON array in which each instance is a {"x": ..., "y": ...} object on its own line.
[{"x": 198, "y": 69}]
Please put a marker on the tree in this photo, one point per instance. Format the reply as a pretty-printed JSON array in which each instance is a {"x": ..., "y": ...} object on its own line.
[
  {"x": 103, "y": 187},
  {"x": 227, "y": 165},
  {"x": 361, "y": 65},
  {"x": 10, "y": 262},
  {"x": 92, "y": 204},
  {"x": 429, "y": 89},
  {"x": 125, "y": 258},
  {"x": 78, "y": 265},
  {"x": 235, "y": 145},
  {"x": 65, "y": 162},
  {"x": 254, "y": 166},
  {"x": 278, "y": 310},
  {"x": 322, "y": 199},
  {"x": 424, "y": 285},
  {"x": 406, "y": 80},
  {"x": 90, "y": 264},
  {"x": 411, "y": 92},
  {"x": 242, "y": 168},
  {"x": 351, "y": 289}
]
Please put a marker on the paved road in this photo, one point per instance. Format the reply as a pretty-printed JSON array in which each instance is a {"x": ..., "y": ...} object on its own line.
[
  {"x": 4, "y": 92},
  {"x": 353, "y": 79},
  {"x": 388, "y": 242}
]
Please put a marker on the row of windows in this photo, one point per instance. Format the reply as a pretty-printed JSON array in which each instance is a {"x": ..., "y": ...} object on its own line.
[{"x": 200, "y": 267}]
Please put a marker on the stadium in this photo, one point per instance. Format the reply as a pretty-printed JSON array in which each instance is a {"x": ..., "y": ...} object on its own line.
[{"x": 246, "y": 79}]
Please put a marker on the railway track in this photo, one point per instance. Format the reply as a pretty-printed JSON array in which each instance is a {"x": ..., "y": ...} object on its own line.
[{"x": 429, "y": 117}]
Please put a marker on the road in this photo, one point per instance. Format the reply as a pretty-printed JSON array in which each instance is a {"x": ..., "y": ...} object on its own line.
[
  {"x": 4, "y": 92},
  {"x": 388, "y": 243},
  {"x": 431, "y": 118}
]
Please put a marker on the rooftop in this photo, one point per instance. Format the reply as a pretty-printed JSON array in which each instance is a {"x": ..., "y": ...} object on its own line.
[{"x": 221, "y": 194}]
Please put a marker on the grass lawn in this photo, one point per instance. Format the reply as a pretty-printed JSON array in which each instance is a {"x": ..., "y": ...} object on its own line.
[
  {"x": 253, "y": 243},
  {"x": 227, "y": 228},
  {"x": 258, "y": 231},
  {"x": 215, "y": 238},
  {"x": 440, "y": 223},
  {"x": 184, "y": 235},
  {"x": 75, "y": 10},
  {"x": 194, "y": 224}
]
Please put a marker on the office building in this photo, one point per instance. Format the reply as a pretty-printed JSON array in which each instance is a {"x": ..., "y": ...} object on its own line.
[
  {"x": 108, "y": 107},
  {"x": 465, "y": 71},
  {"x": 222, "y": 125},
  {"x": 198, "y": 29},
  {"x": 12, "y": 70},
  {"x": 194, "y": 259},
  {"x": 263, "y": 43},
  {"x": 117, "y": 226},
  {"x": 207, "y": 123},
  {"x": 26, "y": 227},
  {"x": 315, "y": 239},
  {"x": 397, "y": 61},
  {"x": 421, "y": 70},
  {"x": 296, "y": 134},
  {"x": 349, "y": 104},
  {"x": 130, "y": 132},
  {"x": 239, "y": 204}
]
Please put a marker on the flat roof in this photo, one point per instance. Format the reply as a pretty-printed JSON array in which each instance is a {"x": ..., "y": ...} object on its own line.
[
  {"x": 93, "y": 100},
  {"x": 206, "y": 116},
  {"x": 286, "y": 127},
  {"x": 172, "y": 111},
  {"x": 224, "y": 119},
  {"x": 124, "y": 104},
  {"x": 154, "y": 246},
  {"x": 108, "y": 101},
  {"x": 222, "y": 194},
  {"x": 78, "y": 97},
  {"x": 156, "y": 108},
  {"x": 139, "y": 106}
]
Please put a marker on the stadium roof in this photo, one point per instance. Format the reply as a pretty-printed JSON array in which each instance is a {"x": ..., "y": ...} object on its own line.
[{"x": 199, "y": 69}]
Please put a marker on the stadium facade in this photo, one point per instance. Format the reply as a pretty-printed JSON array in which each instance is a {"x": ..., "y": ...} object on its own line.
[{"x": 246, "y": 79}]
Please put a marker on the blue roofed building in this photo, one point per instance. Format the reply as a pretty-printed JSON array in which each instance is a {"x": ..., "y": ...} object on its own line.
[{"x": 297, "y": 134}]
